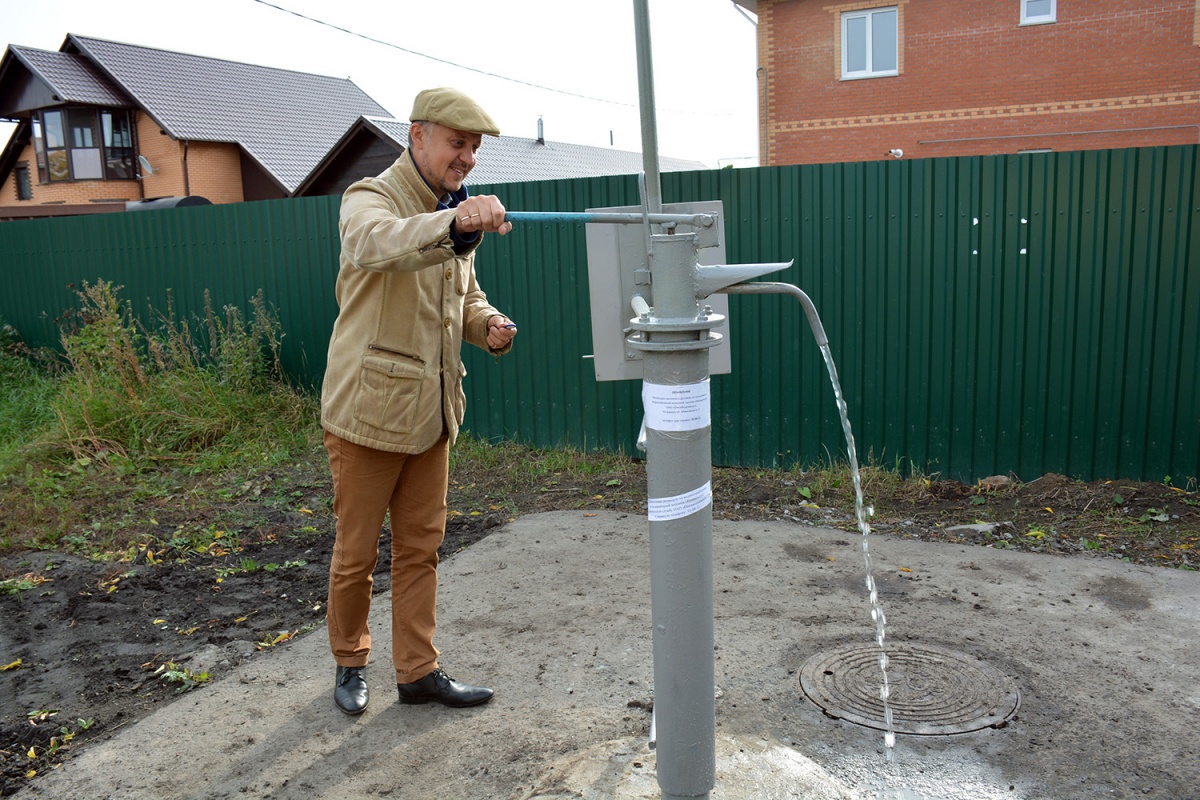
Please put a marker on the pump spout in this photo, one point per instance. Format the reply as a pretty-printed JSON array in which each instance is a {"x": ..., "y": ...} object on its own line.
[{"x": 710, "y": 280}]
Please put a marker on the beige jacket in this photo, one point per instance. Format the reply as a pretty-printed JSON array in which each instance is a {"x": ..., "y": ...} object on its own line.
[{"x": 406, "y": 303}]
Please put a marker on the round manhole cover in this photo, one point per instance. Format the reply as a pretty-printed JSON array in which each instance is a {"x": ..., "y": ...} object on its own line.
[{"x": 933, "y": 690}]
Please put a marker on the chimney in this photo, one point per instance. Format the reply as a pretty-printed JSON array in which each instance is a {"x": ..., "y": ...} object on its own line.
[{"x": 541, "y": 139}]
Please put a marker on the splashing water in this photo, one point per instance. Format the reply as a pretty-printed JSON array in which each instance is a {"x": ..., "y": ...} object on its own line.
[{"x": 861, "y": 512}]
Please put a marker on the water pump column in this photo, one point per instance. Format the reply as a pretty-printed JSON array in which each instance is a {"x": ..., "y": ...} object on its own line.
[{"x": 674, "y": 337}]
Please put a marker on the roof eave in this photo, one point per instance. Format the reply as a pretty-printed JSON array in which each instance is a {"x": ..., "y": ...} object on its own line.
[
  {"x": 257, "y": 162},
  {"x": 362, "y": 124},
  {"x": 321, "y": 165},
  {"x": 13, "y": 60}
]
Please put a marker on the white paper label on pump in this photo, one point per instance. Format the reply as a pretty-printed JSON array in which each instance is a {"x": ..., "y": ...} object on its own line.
[
  {"x": 662, "y": 509},
  {"x": 676, "y": 407}
]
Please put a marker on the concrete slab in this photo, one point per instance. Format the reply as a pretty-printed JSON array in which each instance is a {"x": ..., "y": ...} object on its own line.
[{"x": 553, "y": 611}]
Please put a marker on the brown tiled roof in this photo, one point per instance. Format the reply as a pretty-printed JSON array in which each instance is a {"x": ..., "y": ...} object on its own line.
[{"x": 285, "y": 120}]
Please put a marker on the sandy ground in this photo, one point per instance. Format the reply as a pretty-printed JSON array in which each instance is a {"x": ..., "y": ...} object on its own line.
[{"x": 553, "y": 611}]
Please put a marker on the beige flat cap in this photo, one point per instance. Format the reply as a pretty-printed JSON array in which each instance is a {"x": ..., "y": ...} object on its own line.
[{"x": 453, "y": 109}]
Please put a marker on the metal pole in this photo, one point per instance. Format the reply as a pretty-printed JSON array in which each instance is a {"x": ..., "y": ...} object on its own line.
[{"x": 641, "y": 26}]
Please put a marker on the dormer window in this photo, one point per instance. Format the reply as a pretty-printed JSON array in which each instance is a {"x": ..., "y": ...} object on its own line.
[{"x": 79, "y": 144}]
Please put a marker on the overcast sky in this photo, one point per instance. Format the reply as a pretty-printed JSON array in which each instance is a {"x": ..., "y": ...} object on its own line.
[{"x": 573, "y": 64}]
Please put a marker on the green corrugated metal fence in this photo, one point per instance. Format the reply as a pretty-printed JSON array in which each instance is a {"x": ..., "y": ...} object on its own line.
[
  {"x": 288, "y": 249},
  {"x": 1026, "y": 314}
]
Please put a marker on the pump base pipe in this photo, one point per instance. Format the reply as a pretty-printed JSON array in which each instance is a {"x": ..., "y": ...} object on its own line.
[{"x": 774, "y": 287}]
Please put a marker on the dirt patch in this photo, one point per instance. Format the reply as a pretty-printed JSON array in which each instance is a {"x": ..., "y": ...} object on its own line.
[{"x": 89, "y": 647}]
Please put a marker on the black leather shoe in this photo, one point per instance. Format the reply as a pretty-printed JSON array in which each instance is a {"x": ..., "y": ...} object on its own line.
[
  {"x": 350, "y": 690},
  {"x": 440, "y": 687}
]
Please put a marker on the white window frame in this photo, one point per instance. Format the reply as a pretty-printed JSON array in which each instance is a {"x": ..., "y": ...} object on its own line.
[
  {"x": 869, "y": 72},
  {"x": 1039, "y": 19}
]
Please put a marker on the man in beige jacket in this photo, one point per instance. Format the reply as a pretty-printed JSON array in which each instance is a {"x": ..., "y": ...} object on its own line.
[{"x": 392, "y": 400}]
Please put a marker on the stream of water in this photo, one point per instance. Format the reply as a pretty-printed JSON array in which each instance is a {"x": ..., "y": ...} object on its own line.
[{"x": 861, "y": 513}]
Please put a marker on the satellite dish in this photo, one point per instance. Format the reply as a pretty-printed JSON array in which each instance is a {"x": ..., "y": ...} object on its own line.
[{"x": 146, "y": 168}]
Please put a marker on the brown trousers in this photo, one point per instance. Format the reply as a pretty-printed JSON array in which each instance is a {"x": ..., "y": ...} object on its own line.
[{"x": 367, "y": 484}]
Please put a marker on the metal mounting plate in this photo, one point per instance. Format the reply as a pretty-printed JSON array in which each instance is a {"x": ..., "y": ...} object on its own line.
[{"x": 618, "y": 269}]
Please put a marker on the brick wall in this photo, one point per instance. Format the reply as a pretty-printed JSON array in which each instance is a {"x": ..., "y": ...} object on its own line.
[
  {"x": 215, "y": 171},
  {"x": 1106, "y": 74},
  {"x": 166, "y": 160}
]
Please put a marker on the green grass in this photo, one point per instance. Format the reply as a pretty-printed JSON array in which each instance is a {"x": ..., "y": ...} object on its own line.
[
  {"x": 108, "y": 421},
  {"x": 489, "y": 476},
  {"x": 26, "y": 391},
  {"x": 525, "y": 464},
  {"x": 208, "y": 396},
  {"x": 131, "y": 422},
  {"x": 184, "y": 441}
]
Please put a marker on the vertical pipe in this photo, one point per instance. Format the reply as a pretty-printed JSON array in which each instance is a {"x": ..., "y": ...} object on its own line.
[
  {"x": 187, "y": 184},
  {"x": 762, "y": 140},
  {"x": 137, "y": 149},
  {"x": 679, "y": 487},
  {"x": 641, "y": 24}
]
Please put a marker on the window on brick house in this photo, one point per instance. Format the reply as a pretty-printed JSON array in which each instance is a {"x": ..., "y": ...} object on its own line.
[
  {"x": 870, "y": 43},
  {"x": 1036, "y": 12},
  {"x": 76, "y": 144},
  {"x": 24, "y": 187}
]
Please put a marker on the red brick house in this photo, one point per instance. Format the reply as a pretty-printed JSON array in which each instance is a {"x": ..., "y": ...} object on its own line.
[{"x": 860, "y": 81}]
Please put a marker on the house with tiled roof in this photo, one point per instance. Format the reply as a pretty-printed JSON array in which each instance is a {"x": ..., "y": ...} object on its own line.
[
  {"x": 102, "y": 124},
  {"x": 371, "y": 144}
]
